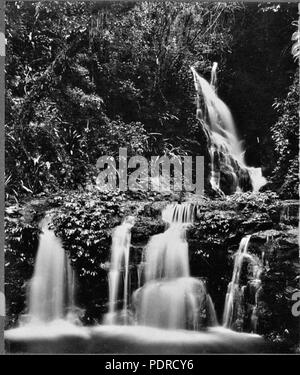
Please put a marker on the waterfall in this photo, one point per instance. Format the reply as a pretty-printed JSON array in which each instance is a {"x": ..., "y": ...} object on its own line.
[
  {"x": 166, "y": 254},
  {"x": 178, "y": 213},
  {"x": 213, "y": 76},
  {"x": 170, "y": 297},
  {"x": 255, "y": 285},
  {"x": 119, "y": 263},
  {"x": 243, "y": 287},
  {"x": 227, "y": 154},
  {"x": 140, "y": 270},
  {"x": 71, "y": 290},
  {"x": 51, "y": 293},
  {"x": 234, "y": 285},
  {"x": 254, "y": 316}
]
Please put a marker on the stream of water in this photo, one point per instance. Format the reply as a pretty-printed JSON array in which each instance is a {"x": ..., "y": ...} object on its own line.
[
  {"x": 225, "y": 147},
  {"x": 52, "y": 287}
]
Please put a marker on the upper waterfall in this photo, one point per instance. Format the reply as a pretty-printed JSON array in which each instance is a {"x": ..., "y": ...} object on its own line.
[{"x": 226, "y": 151}]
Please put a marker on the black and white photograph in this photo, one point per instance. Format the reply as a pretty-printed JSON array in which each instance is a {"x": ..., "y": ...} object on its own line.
[{"x": 151, "y": 179}]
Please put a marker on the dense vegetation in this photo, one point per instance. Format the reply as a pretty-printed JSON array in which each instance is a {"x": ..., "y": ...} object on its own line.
[
  {"x": 84, "y": 79},
  {"x": 285, "y": 134}
]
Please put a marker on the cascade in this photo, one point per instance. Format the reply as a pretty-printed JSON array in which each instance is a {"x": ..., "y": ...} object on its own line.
[
  {"x": 243, "y": 287},
  {"x": 119, "y": 264},
  {"x": 52, "y": 287},
  {"x": 233, "y": 290},
  {"x": 225, "y": 148},
  {"x": 170, "y": 297}
]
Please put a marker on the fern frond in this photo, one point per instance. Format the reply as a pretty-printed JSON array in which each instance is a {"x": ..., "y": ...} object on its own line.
[{"x": 296, "y": 37}]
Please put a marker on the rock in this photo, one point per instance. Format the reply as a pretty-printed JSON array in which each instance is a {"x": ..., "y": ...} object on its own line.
[
  {"x": 279, "y": 251},
  {"x": 279, "y": 243},
  {"x": 289, "y": 213},
  {"x": 144, "y": 228}
]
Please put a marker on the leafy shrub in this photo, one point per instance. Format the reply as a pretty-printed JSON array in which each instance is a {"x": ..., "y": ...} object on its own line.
[
  {"x": 21, "y": 241},
  {"x": 84, "y": 79},
  {"x": 285, "y": 134}
]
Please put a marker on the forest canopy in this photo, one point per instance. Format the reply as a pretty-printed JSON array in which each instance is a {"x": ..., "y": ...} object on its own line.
[{"x": 85, "y": 78}]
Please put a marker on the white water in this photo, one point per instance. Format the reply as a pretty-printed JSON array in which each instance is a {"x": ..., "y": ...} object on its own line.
[
  {"x": 255, "y": 284},
  {"x": 51, "y": 293},
  {"x": 213, "y": 76},
  {"x": 104, "y": 339},
  {"x": 234, "y": 285},
  {"x": 225, "y": 142},
  {"x": 236, "y": 289},
  {"x": 178, "y": 213},
  {"x": 167, "y": 255},
  {"x": 167, "y": 296},
  {"x": 119, "y": 264},
  {"x": 170, "y": 297}
]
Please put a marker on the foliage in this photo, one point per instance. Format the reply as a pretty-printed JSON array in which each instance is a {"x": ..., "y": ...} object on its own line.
[
  {"x": 285, "y": 134},
  {"x": 296, "y": 38},
  {"x": 84, "y": 220},
  {"x": 259, "y": 67},
  {"x": 84, "y": 78},
  {"x": 20, "y": 246},
  {"x": 279, "y": 283}
]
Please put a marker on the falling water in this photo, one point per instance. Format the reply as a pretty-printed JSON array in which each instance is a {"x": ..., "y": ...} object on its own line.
[
  {"x": 178, "y": 213},
  {"x": 234, "y": 285},
  {"x": 167, "y": 255},
  {"x": 140, "y": 270},
  {"x": 254, "y": 315},
  {"x": 51, "y": 293},
  {"x": 170, "y": 297},
  {"x": 225, "y": 149},
  {"x": 119, "y": 262},
  {"x": 213, "y": 77},
  {"x": 72, "y": 309},
  {"x": 240, "y": 291}
]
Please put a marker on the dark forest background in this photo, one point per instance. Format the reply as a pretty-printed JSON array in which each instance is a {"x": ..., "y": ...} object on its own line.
[{"x": 83, "y": 79}]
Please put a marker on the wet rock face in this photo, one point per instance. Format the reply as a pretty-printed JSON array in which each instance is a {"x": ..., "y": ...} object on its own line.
[
  {"x": 277, "y": 244},
  {"x": 289, "y": 213},
  {"x": 265, "y": 307},
  {"x": 145, "y": 228},
  {"x": 279, "y": 281},
  {"x": 232, "y": 177},
  {"x": 244, "y": 179}
]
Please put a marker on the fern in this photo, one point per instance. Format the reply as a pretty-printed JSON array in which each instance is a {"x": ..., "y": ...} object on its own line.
[{"x": 296, "y": 38}]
